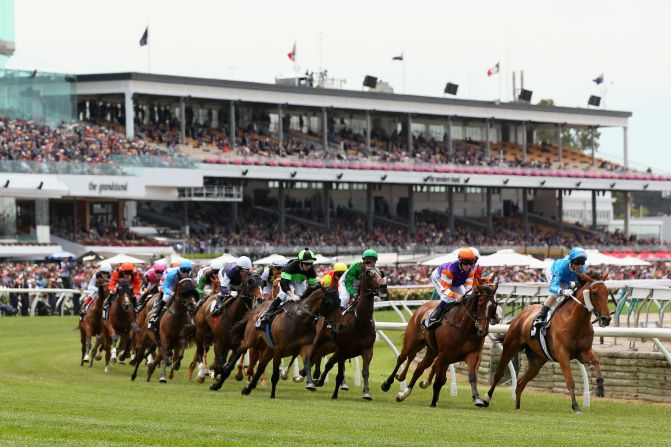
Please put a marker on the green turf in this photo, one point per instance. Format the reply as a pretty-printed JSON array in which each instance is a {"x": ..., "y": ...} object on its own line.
[{"x": 46, "y": 398}]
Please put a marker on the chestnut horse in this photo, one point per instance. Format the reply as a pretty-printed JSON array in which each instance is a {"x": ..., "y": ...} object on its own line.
[
  {"x": 354, "y": 334},
  {"x": 290, "y": 333},
  {"x": 569, "y": 336},
  {"x": 91, "y": 325},
  {"x": 459, "y": 337},
  {"x": 248, "y": 295},
  {"x": 119, "y": 323},
  {"x": 171, "y": 337}
]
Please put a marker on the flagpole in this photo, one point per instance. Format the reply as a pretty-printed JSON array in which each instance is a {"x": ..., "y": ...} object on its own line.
[
  {"x": 403, "y": 68},
  {"x": 148, "y": 49},
  {"x": 500, "y": 76}
]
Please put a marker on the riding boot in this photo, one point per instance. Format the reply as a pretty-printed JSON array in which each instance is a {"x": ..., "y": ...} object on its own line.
[
  {"x": 271, "y": 310},
  {"x": 540, "y": 318},
  {"x": 200, "y": 302},
  {"x": 157, "y": 310},
  {"x": 82, "y": 312},
  {"x": 218, "y": 306},
  {"x": 436, "y": 315},
  {"x": 107, "y": 304}
]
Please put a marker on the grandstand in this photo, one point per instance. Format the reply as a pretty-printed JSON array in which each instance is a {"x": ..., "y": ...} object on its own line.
[{"x": 204, "y": 159}]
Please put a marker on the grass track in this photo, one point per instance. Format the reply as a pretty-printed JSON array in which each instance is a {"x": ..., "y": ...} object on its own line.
[{"x": 46, "y": 398}]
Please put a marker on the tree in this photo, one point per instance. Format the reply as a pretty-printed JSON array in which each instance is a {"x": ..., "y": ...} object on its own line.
[{"x": 584, "y": 139}]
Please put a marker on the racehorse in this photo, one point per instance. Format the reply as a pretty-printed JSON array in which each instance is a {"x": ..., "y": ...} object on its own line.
[
  {"x": 91, "y": 325},
  {"x": 569, "y": 336},
  {"x": 290, "y": 333},
  {"x": 459, "y": 337},
  {"x": 170, "y": 336},
  {"x": 119, "y": 322},
  {"x": 354, "y": 333},
  {"x": 217, "y": 330}
]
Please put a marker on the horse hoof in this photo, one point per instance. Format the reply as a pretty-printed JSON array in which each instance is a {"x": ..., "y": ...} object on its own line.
[
  {"x": 99, "y": 357},
  {"x": 344, "y": 387},
  {"x": 245, "y": 391},
  {"x": 400, "y": 397},
  {"x": 298, "y": 379},
  {"x": 578, "y": 411},
  {"x": 107, "y": 369},
  {"x": 215, "y": 387},
  {"x": 385, "y": 386},
  {"x": 87, "y": 358},
  {"x": 424, "y": 384},
  {"x": 319, "y": 384},
  {"x": 433, "y": 405},
  {"x": 600, "y": 392},
  {"x": 284, "y": 375},
  {"x": 479, "y": 403},
  {"x": 200, "y": 379},
  {"x": 163, "y": 380},
  {"x": 310, "y": 386},
  {"x": 113, "y": 361},
  {"x": 239, "y": 377},
  {"x": 367, "y": 396},
  {"x": 133, "y": 377}
]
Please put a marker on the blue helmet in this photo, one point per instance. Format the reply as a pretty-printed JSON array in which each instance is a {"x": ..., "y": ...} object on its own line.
[
  {"x": 186, "y": 265},
  {"x": 577, "y": 253}
]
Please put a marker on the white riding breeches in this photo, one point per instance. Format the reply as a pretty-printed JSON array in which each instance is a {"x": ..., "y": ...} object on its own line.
[{"x": 297, "y": 287}]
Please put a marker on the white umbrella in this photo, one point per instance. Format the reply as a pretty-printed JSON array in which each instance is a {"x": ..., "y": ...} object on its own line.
[
  {"x": 121, "y": 258},
  {"x": 442, "y": 259},
  {"x": 509, "y": 258},
  {"x": 323, "y": 260},
  {"x": 594, "y": 257},
  {"x": 226, "y": 258},
  {"x": 62, "y": 255},
  {"x": 631, "y": 261},
  {"x": 268, "y": 260}
]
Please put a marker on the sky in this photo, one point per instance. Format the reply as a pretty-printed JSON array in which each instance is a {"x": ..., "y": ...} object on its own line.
[{"x": 560, "y": 45}]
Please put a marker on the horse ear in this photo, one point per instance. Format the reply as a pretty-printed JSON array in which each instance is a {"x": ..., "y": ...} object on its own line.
[
  {"x": 492, "y": 278},
  {"x": 604, "y": 276}
]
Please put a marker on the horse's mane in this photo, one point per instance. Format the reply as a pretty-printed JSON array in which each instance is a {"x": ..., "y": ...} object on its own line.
[
  {"x": 309, "y": 291},
  {"x": 587, "y": 277}
]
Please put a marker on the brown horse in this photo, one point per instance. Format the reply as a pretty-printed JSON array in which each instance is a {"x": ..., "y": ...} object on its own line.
[
  {"x": 171, "y": 337},
  {"x": 224, "y": 341},
  {"x": 119, "y": 323},
  {"x": 569, "y": 336},
  {"x": 354, "y": 334},
  {"x": 459, "y": 337},
  {"x": 91, "y": 325},
  {"x": 290, "y": 333}
]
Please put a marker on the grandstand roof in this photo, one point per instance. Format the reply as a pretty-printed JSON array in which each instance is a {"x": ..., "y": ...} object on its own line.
[{"x": 218, "y": 89}]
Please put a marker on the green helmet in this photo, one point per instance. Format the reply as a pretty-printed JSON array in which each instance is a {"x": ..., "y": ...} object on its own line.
[
  {"x": 369, "y": 254},
  {"x": 307, "y": 256}
]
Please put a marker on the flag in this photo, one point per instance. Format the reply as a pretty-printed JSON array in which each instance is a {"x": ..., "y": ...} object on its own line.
[
  {"x": 495, "y": 69},
  {"x": 292, "y": 53},
  {"x": 598, "y": 80},
  {"x": 144, "y": 40},
  {"x": 398, "y": 58}
]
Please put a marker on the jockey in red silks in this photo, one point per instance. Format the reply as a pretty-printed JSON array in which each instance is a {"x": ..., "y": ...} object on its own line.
[
  {"x": 125, "y": 271},
  {"x": 105, "y": 271}
]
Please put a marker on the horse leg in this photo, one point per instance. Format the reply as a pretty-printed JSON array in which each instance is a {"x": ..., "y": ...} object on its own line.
[
  {"x": 94, "y": 351},
  {"x": 367, "y": 356},
  {"x": 194, "y": 363},
  {"x": 114, "y": 339},
  {"x": 472, "y": 361},
  {"x": 309, "y": 383},
  {"x": 226, "y": 369},
  {"x": 284, "y": 374},
  {"x": 339, "y": 377},
  {"x": 239, "y": 374},
  {"x": 126, "y": 343},
  {"x": 264, "y": 358},
  {"x": 327, "y": 368},
  {"x": 425, "y": 363},
  {"x": 440, "y": 378},
  {"x": 164, "y": 366},
  {"x": 425, "y": 383},
  {"x": 511, "y": 346},
  {"x": 100, "y": 343},
  {"x": 277, "y": 360},
  {"x": 535, "y": 364},
  {"x": 138, "y": 355},
  {"x": 565, "y": 366},
  {"x": 589, "y": 356},
  {"x": 152, "y": 366},
  {"x": 176, "y": 357}
]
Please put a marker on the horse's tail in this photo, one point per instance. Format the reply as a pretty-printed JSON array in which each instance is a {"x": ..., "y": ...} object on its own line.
[{"x": 189, "y": 333}]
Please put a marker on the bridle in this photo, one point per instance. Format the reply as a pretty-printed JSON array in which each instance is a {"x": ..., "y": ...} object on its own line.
[
  {"x": 587, "y": 305},
  {"x": 187, "y": 301},
  {"x": 249, "y": 283},
  {"x": 475, "y": 297}
]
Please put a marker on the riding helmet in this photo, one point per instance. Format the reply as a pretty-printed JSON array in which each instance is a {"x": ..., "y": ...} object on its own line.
[
  {"x": 307, "y": 256},
  {"x": 127, "y": 267},
  {"x": 466, "y": 254},
  {"x": 369, "y": 254},
  {"x": 244, "y": 263},
  {"x": 340, "y": 267}
]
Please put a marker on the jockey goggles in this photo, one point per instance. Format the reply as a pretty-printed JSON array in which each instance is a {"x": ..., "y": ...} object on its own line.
[
  {"x": 185, "y": 270},
  {"x": 467, "y": 262},
  {"x": 579, "y": 261}
]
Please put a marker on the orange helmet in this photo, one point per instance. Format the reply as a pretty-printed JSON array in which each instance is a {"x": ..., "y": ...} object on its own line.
[
  {"x": 174, "y": 264},
  {"x": 466, "y": 254},
  {"x": 127, "y": 267}
]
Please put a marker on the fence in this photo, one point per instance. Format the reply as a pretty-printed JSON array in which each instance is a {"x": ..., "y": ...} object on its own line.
[{"x": 64, "y": 302}]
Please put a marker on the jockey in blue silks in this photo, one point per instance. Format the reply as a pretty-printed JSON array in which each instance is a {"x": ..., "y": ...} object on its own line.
[{"x": 560, "y": 275}]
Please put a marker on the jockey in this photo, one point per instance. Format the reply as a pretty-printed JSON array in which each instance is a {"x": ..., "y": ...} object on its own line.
[
  {"x": 206, "y": 277},
  {"x": 172, "y": 277},
  {"x": 451, "y": 281},
  {"x": 332, "y": 278},
  {"x": 230, "y": 282},
  {"x": 105, "y": 271},
  {"x": 297, "y": 273},
  {"x": 125, "y": 271},
  {"x": 272, "y": 273},
  {"x": 348, "y": 284},
  {"x": 560, "y": 275},
  {"x": 151, "y": 279}
]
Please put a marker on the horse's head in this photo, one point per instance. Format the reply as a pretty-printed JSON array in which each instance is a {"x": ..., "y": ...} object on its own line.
[
  {"x": 482, "y": 304},
  {"x": 124, "y": 293},
  {"x": 373, "y": 282},
  {"x": 186, "y": 295},
  {"x": 593, "y": 295},
  {"x": 330, "y": 301},
  {"x": 252, "y": 288}
]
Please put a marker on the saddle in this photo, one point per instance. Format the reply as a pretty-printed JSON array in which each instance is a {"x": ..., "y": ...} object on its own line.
[{"x": 270, "y": 316}]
